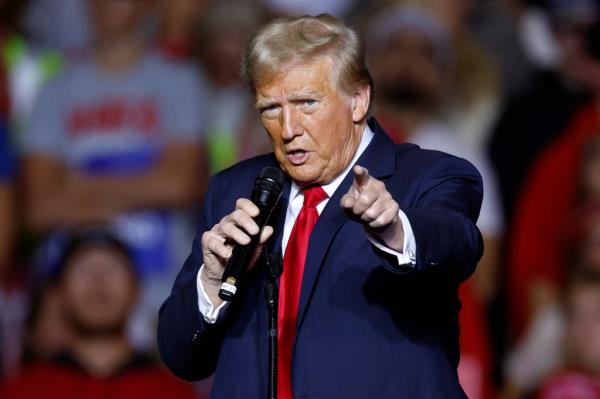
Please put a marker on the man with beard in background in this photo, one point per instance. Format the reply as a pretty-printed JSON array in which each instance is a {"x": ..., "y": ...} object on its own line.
[{"x": 412, "y": 59}]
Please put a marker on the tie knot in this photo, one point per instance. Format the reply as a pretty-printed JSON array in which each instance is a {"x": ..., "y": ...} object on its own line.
[{"x": 313, "y": 196}]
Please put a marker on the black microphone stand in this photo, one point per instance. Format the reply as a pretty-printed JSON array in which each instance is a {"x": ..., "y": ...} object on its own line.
[{"x": 273, "y": 269}]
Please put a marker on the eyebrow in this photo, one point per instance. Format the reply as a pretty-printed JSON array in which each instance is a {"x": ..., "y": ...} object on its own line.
[
  {"x": 293, "y": 97},
  {"x": 304, "y": 94}
]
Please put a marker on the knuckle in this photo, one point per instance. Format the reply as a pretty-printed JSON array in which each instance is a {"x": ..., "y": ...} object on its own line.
[
  {"x": 228, "y": 230},
  {"x": 211, "y": 245},
  {"x": 365, "y": 198}
]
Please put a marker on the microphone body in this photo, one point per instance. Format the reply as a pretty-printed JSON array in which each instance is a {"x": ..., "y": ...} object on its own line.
[{"x": 265, "y": 195}]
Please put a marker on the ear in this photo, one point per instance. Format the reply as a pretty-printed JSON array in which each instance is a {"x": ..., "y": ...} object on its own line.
[{"x": 360, "y": 103}]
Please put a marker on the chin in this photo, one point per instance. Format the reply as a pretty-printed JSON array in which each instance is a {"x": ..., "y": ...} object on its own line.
[{"x": 303, "y": 177}]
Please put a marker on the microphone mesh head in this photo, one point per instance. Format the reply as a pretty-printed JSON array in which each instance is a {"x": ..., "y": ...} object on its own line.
[
  {"x": 273, "y": 173},
  {"x": 268, "y": 186}
]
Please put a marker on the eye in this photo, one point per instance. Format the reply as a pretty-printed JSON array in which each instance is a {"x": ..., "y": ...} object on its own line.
[
  {"x": 269, "y": 111},
  {"x": 308, "y": 104}
]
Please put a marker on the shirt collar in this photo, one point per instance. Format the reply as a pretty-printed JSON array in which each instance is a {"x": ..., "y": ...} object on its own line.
[{"x": 335, "y": 183}]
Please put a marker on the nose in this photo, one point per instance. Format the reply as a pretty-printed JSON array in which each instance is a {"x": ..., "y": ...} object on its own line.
[{"x": 290, "y": 124}]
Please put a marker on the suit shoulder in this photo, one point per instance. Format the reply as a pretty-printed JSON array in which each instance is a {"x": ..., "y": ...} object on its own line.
[
  {"x": 247, "y": 169},
  {"x": 412, "y": 156}
]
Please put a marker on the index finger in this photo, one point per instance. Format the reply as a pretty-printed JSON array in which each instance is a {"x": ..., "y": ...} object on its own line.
[
  {"x": 247, "y": 206},
  {"x": 361, "y": 175}
]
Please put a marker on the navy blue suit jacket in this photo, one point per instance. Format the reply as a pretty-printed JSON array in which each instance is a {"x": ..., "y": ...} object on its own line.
[{"x": 366, "y": 328}]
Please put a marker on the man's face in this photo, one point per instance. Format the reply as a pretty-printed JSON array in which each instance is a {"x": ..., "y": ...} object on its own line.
[
  {"x": 406, "y": 72},
  {"x": 221, "y": 54},
  {"x": 315, "y": 127},
  {"x": 99, "y": 290},
  {"x": 114, "y": 18}
]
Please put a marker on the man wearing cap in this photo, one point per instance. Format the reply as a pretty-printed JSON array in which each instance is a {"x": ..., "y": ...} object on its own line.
[{"x": 375, "y": 238}]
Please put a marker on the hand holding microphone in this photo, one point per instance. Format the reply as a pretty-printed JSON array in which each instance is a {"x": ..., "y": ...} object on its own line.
[{"x": 231, "y": 247}]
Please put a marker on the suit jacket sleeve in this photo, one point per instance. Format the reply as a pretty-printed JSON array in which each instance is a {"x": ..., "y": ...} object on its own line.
[
  {"x": 443, "y": 217},
  {"x": 188, "y": 345}
]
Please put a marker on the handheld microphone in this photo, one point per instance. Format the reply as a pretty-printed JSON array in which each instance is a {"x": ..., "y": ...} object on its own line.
[{"x": 265, "y": 195}]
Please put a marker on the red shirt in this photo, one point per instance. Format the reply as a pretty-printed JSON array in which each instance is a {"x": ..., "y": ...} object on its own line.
[
  {"x": 63, "y": 378},
  {"x": 543, "y": 213}
]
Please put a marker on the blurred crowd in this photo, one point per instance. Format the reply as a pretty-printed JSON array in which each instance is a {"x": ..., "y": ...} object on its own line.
[{"x": 114, "y": 113}]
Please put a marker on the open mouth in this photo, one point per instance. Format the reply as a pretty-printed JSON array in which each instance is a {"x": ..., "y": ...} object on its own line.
[{"x": 297, "y": 157}]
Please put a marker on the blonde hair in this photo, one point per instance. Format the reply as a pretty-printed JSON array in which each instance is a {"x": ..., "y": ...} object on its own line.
[{"x": 289, "y": 40}]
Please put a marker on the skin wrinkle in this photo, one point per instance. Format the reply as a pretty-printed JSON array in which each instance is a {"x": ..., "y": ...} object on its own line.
[
  {"x": 271, "y": 67},
  {"x": 323, "y": 129}
]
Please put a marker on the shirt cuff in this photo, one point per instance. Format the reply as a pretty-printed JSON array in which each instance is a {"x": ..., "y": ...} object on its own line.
[
  {"x": 408, "y": 256},
  {"x": 207, "y": 309}
]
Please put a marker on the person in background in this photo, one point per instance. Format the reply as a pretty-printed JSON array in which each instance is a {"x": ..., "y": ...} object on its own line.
[
  {"x": 495, "y": 26},
  {"x": 576, "y": 243},
  {"x": 98, "y": 287},
  {"x": 531, "y": 120},
  {"x": 178, "y": 20},
  {"x": 471, "y": 103},
  {"x": 579, "y": 378},
  {"x": 411, "y": 59},
  {"x": 116, "y": 138},
  {"x": 46, "y": 332},
  {"x": 233, "y": 130},
  {"x": 535, "y": 263},
  {"x": 25, "y": 66}
]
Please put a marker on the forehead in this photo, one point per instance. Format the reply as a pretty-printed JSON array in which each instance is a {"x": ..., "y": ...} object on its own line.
[
  {"x": 313, "y": 76},
  {"x": 94, "y": 257}
]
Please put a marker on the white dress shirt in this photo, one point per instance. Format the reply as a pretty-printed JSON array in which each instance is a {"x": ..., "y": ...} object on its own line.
[{"x": 405, "y": 258}]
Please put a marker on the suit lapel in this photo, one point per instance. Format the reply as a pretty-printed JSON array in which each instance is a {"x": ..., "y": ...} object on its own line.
[{"x": 379, "y": 159}]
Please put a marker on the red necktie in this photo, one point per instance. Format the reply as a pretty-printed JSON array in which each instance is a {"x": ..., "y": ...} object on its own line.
[{"x": 290, "y": 285}]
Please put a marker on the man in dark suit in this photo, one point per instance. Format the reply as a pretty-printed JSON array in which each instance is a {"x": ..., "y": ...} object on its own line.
[{"x": 376, "y": 238}]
